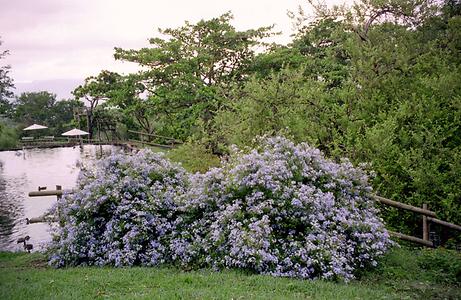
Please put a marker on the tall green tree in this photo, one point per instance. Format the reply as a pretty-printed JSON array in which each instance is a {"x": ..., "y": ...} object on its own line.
[
  {"x": 184, "y": 70},
  {"x": 127, "y": 95},
  {"x": 409, "y": 105},
  {"x": 96, "y": 90}
]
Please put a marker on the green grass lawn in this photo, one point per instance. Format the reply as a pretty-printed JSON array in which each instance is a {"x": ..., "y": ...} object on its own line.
[{"x": 27, "y": 276}]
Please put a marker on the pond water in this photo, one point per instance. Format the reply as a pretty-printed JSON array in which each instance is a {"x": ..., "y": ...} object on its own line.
[{"x": 24, "y": 171}]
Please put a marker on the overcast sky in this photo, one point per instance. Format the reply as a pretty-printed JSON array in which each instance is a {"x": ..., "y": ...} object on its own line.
[{"x": 55, "y": 44}]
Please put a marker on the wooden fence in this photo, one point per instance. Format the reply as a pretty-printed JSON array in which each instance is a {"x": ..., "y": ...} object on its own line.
[
  {"x": 155, "y": 140},
  {"x": 427, "y": 217},
  {"x": 43, "y": 192},
  {"x": 56, "y": 142}
]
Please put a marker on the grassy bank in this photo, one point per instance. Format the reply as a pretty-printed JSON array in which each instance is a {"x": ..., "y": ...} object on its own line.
[{"x": 400, "y": 276}]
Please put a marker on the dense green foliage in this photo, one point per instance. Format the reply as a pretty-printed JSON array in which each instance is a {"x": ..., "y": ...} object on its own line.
[
  {"x": 388, "y": 95},
  {"x": 399, "y": 276},
  {"x": 8, "y": 136},
  {"x": 420, "y": 274},
  {"x": 194, "y": 157}
]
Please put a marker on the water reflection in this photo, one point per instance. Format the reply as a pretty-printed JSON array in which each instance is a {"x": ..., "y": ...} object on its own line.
[{"x": 22, "y": 172}]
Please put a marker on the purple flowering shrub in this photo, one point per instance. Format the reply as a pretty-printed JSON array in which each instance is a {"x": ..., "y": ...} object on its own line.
[
  {"x": 284, "y": 210},
  {"x": 122, "y": 214},
  {"x": 281, "y": 209}
]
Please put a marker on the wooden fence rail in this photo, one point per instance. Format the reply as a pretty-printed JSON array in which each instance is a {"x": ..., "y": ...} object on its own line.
[
  {"x": 146, "y": 139},
  {"x": 444, "y": 223},
  {"x": 411, "y": 238},
  {"x": 155, "y": 135},
  {"x": 151, "y": 144},
  {"x": 43, "y": 192},
  {"x": 404, "y": 206},
  {"x": 46, "y": 193},
  {"x": 428, "y": 216}
]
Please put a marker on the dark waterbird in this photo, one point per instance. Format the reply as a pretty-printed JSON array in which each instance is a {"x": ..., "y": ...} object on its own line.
[
  {"x": 28, "y": 247},
  {"x": 24, "y": 240}
]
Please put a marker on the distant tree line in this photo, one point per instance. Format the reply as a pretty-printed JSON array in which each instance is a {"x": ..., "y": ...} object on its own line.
[{"x": 37, "y": 107}]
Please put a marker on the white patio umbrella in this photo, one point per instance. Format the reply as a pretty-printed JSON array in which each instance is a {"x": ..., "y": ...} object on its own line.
[
  {"x": 75, "y": 132},
  {"x": 35, "y": 127}
]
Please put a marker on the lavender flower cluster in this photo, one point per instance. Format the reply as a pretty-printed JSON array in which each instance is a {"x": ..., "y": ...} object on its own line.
[
  {"x": 122, "y": 214},
  {"x": 281, "y": 209},
  {"x": 284, "y": 210}
]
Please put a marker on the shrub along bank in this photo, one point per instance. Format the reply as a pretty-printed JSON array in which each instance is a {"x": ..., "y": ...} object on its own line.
[{"x": 280, "y": 209}]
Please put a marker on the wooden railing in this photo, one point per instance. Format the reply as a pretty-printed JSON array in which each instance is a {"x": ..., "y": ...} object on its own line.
[
  {"x": 57, "y": 142},
  {"x": 155, "y": 140},
  {"x": 428, "y": 216},
  {"x": 43, "y": 192}
]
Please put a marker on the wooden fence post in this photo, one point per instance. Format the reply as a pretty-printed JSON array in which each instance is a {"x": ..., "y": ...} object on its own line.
[
  {"x": 425, "y": 225},
  {"x": 58, "y": 197},
  {"x": 58, "y": 188}
]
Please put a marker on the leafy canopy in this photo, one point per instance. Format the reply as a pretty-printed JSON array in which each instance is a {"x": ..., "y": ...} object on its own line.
[{"x": 183, "y": 70}]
